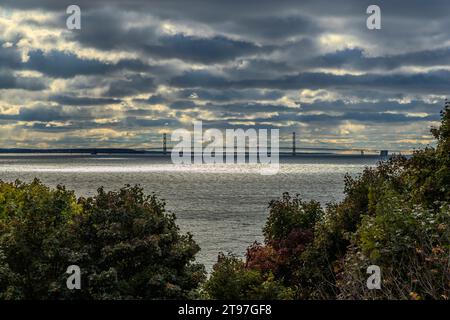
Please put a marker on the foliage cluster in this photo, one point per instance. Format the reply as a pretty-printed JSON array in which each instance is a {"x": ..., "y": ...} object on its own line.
[
  {"x": 125, "y": 243},
  {"x": 395, "y": 215}
]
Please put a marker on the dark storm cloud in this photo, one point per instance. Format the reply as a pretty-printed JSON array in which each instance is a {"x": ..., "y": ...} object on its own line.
[
  {"x": 316, "y": 121},
  {"x": 108, "y": 30},
  {"x": 336, "y": 111},
  {"x": 132, "y": 122},
  {"x": 243, "y": 108},
  {"x": 122, "y": 124},
  {"x": 260, "y": 69},
  {"x": 275, "y": 28},
  {"x": 44, "y": 113},
  {"x": 9, "y": 57},
  {"x": 415, "y": 106},
  {"x": 156, "y": 99},
  {"x": 201, "y": 79},
  {"x": 266, "y": 19},
  {"x": 183, "y": 104},
  {"x": 356, "y": 59},
  {"x": 83, "y": 101},
  {"x": 371, "y": 117},
  {"x": 427, "y": 82},
  {"x": 364, "y": 117},
  {"x": 182, "y": 99},
  {"x": 10, "y": 81},
  {"x": 203, "y": 50},
  {"x": 231, "y": 95},
  {"x": 250, "y": 108},
  {"x": 41, "y": 114},
  {"x": 234, "y": 109},
  {"x": 61, "y": 64},
  {"x": 152, "y": 100},
  {"x": 222, "y": 10},
  {"x": 131, "y": 85},
  {"x": 67, "y": 65},
  {"x": 128, "y": 123}
]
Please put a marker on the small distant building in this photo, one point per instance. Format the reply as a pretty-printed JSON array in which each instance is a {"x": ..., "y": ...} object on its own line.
[{"x": 384, "y": 153}]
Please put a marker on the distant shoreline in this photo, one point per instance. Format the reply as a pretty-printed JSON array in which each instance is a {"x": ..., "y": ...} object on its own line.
[
  {"x": 160, "y": 152},
  {"x": 75, "y": 150}
]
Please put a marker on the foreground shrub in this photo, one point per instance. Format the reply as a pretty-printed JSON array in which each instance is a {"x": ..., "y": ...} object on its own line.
[
  {"x": 231, "y": 280},
  {"x": 34, "y": 239},
  {"x": 126, "y": 244},
  {"x": 395, "y": 216},
  {"x": 411, "y": 246},
  {"x": 133, "y": 248},
  {"x": 270, "y": 270}
]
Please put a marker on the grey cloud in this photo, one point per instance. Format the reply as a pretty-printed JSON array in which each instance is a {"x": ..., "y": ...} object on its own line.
[
  {"x": 108, "y": 31},
  {"x": 251, "y": 108},
  {"x": 435, "y": 81},
  {"x": 218, "y": 11},
  {"x": 274, "y": 28},
  {"x": 9, "y": 57},
  {"x": 131, "y": 85},
  {"x": 67, "y": 65},
  {"x": 259, "y": 69},
  {"x": 156, "y": 99},
  {"x": 183, "y": 104},
  {"x": 83, "y": 101},
  {"x": 365, "y": 117},
  {"x": 203, "y": 50},
  {"x": 414, "y": 106},
  {"x": 44, "y": 113},
  {"x": 234, "y": 109},
  {"x": 9, "y": 81},
  {"x": 356, "y": 59},
  {"x": 142, "y": 122},
  {"x": 231, "y": 95}
]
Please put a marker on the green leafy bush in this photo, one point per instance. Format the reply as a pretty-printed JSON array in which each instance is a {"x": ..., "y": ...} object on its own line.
[
  {"x": 129, "y": 237},
  {"x": 34, "y": 239},
  {"x": 125, "y": 243},
  {"x": 231, "y": 280},
  {"x": 396, "y": 216},
  {"x": 270, "y": 270},
  {"x": 410, "y": 243}
]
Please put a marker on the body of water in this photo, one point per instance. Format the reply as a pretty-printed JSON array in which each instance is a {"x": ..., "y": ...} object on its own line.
[{"x": 223, "y": 206}]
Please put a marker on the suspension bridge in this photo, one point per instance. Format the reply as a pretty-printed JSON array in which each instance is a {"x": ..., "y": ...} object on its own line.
[
  {"x": 286, "y": 149},
  {"x": 294, "y": 149}
]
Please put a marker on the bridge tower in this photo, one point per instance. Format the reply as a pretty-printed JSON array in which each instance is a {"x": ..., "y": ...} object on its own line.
[
  {"x": 294, "y": 151},
  {"x": 164, "y": 143}
]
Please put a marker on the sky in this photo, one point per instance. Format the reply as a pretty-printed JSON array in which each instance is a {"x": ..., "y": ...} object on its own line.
[{"x": 139, "y": 68}]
